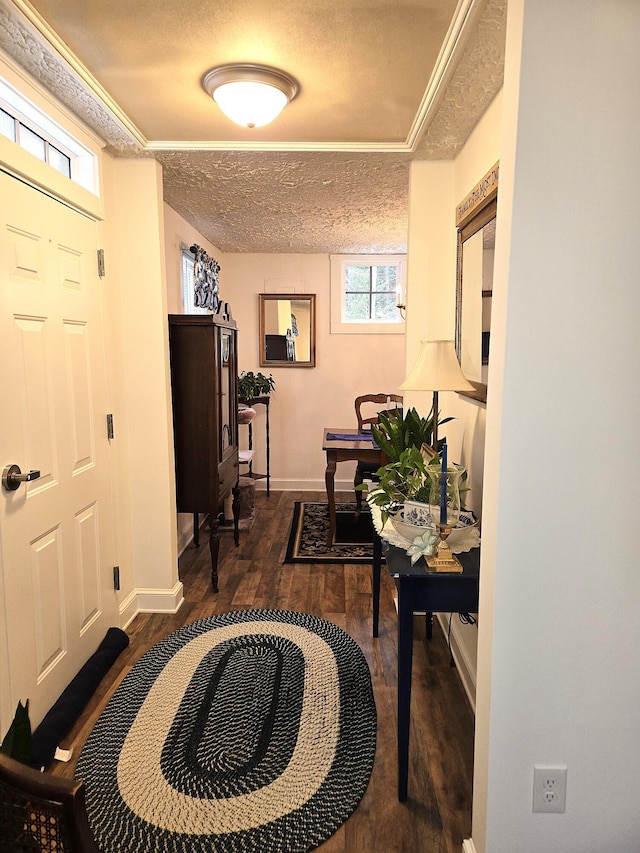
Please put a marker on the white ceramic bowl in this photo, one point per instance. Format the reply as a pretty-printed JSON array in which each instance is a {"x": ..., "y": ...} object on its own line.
[{"x": 408, "y": 531}]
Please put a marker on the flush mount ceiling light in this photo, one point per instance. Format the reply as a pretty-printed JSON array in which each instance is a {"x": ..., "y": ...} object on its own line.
[{"x": 250, "y": 95}]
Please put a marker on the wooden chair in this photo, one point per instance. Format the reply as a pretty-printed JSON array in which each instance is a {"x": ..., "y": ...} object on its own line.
[
  {"x": 381, "y": 402},
  {"x": 41, "y": 813},
  {"x": 374, "y": 403}
]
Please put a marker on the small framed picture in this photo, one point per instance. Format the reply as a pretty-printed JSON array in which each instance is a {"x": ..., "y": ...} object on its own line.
[{"x": 428, "y": 453}]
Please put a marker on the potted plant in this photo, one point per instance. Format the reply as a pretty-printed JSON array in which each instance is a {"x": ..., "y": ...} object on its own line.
[
  {"x": 251, "y": 385},
  {"x": 406, "y": 479},
  {"x": 17, "y": 741},
  {"x": 394, "y": 433}
]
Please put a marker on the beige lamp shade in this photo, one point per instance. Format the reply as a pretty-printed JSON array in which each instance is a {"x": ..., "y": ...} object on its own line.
[{"x": 436, "y": 369}]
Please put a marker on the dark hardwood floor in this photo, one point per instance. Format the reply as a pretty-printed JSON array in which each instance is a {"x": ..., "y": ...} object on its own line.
[{"x": 437, "y": 816}]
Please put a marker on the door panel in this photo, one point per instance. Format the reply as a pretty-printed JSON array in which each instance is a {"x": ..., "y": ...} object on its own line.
[
  {"x": 47, "y": 605},
  {"x": 78, "y": 365},
  {"x": 88, "y": 548},
  {"x": 29, "y": 346},
  {"x": 55, "y": 532}
]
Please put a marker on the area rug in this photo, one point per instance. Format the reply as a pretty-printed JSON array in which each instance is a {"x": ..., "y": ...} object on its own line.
[
  {"x": 253, "y": 731},
  {"x": 310, "y": 526}
]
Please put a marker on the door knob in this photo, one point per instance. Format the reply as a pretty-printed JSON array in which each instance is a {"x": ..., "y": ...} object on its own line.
[{"x": 12, "y": 476}]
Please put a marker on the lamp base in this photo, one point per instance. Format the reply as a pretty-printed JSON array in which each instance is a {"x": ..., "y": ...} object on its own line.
[{"x": 444, "y": 560}]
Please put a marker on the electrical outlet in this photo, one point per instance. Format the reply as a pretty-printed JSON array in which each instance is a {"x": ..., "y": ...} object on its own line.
[{"x": 549, "y": 788}]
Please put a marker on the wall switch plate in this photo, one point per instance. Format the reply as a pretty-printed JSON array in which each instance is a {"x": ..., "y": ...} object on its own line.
[{"x": 549, "y": 788}]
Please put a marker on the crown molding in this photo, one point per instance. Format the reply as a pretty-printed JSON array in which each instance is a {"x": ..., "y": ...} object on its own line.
[
  {"x": 274, "y": 147},
  {"x": 450, "y": 53},
  {"x": 25, "y": 13}
]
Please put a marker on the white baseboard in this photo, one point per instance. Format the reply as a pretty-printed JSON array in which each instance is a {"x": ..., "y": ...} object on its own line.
[
  {"x": 464, "y": 664},
  {"x": 160, "y": 600},
  {"x": 149, "y": 601},
  {"x": 128, "y": 609},
  {"x": 303, "y": 485},
  {"x": 468, "y": 846}
]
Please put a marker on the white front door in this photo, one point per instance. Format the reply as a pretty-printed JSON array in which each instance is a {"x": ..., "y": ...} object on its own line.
[{"x": 56, "y": 531}]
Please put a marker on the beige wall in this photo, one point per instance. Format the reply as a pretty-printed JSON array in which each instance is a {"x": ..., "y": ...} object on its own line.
[
  {"x": 306, "y": 399},
  {"x": 436, "y": 188}
]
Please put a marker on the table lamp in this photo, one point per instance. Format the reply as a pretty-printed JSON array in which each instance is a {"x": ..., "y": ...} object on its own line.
[{"x": 436, "y": 369}]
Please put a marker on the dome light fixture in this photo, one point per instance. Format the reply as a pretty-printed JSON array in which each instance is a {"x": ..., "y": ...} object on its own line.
[{"x": 250, "y": 95}]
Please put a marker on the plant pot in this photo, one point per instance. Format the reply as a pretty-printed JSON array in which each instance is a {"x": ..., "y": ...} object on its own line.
[{"x": 410, "y": 522}]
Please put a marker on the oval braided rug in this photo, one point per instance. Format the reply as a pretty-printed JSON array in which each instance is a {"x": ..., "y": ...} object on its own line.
[{"x": 250, "y": 731}]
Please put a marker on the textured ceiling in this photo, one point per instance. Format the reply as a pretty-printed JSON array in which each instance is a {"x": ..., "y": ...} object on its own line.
[{"x": 382, "y": 83}]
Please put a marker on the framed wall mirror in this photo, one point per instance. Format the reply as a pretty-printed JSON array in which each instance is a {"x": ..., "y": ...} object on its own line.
[
  {"x": 476, "y": 222},
  {"x": 287, "y": 329}
]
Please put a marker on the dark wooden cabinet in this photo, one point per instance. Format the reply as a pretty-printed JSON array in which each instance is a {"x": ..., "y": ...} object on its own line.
[
  {"x": 204, "y": 390},
  {"x": 279, "y": 348}
]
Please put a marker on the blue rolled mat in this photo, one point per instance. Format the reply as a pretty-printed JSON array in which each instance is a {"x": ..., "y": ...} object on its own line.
[
  {"x": 66, "y": 710},
  {"x": 351, "y": 436}
]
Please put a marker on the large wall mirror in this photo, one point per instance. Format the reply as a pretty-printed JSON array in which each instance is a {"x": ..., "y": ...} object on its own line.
[
  {"x": 476, "y": 221},
  {"x": 287, "y": 330}
]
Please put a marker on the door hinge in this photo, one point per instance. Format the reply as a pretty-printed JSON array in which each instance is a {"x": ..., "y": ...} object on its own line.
[
  {"x": 109, "y": 426},
  {"x": 116, "y": 578},
  {"x": 101, "y": 263}
]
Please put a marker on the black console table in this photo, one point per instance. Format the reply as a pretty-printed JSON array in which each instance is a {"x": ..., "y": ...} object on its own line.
[{"x": 419, "y": 590}]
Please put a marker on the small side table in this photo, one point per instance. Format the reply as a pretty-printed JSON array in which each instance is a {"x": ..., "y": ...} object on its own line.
[
  {"x": 252, "y": 402},
  {"x": 419, "y": 590}
]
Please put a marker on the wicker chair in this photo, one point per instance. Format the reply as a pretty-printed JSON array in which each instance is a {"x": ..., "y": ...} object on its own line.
[{"x": 41, "y": 813}]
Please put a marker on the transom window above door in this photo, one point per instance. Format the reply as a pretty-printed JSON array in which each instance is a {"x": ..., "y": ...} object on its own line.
[{"x": 26, "y": 124}]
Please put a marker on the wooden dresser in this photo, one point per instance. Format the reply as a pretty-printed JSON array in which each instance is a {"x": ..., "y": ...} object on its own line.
[{"x": 204, "y": 388}]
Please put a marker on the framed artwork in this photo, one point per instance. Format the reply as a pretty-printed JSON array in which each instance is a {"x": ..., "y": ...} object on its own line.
[{"x": 206, "y": 272}]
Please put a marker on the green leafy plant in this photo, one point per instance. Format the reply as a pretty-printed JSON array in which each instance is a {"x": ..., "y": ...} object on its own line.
[
  {"x": 406, "y": 479},
  {"x": 252, "y": 385},
  {"x": 394, "y": 433},
  {"x": 17, "y": 741}
]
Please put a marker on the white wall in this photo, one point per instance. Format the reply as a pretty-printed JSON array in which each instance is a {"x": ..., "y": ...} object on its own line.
[
  {"x": 558, "y": 677},
  {"x": 144, "y": 490},
  {"x": 435, "y": 190},
  {"x": 306, "y": 399}
]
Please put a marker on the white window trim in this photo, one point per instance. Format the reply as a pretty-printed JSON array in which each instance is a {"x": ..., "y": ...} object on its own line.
[
  {"x": 361, "y": 327},
  {"x": 186, "y": 284}
]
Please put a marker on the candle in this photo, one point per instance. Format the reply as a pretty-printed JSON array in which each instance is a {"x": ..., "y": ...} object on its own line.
[{"x": 443, "y": 486}]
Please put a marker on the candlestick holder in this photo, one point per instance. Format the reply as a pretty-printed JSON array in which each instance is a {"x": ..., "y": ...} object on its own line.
[
  {"x": 443, "y": 560},
  {"x": 444, "y": 506}
]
